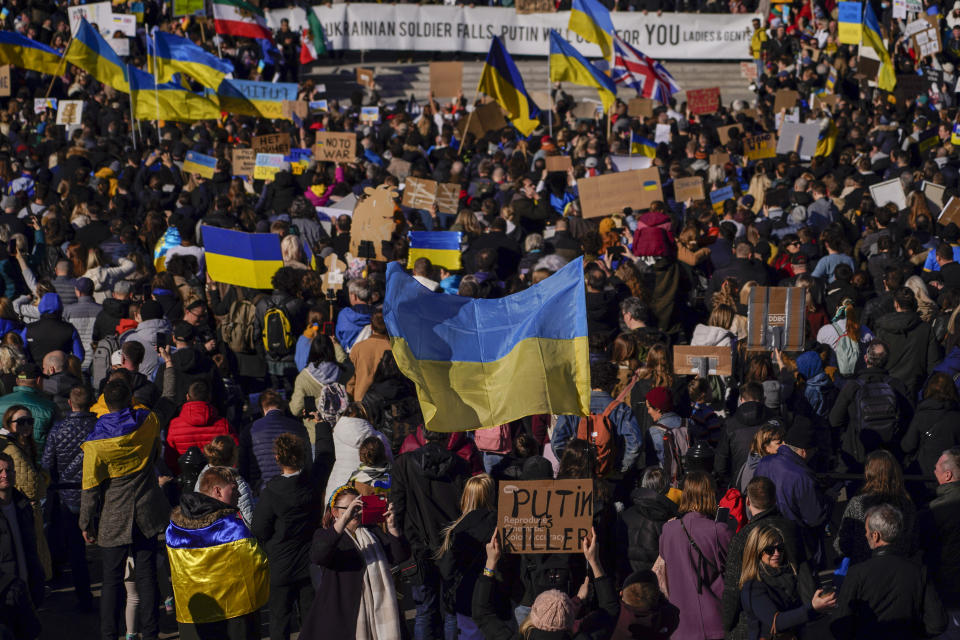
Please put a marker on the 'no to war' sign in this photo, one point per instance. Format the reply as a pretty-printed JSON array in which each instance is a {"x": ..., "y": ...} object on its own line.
[{"x": 544, "y": 516}]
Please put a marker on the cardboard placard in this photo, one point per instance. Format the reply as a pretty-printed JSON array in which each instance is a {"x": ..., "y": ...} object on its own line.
[
  {"x": 419, "y": 193},
  {"x": 719, "y": 157},
  {"x": 587, "y": 110},
  {"x": 724, "y": 132},
  {"x": 776, "y": 318},
  {"x": 640, "y": 107},
  {"x": 271, "y": 143},
  {"x": 934, "y": 195},
  {"x": 448, "y": 198},
  {"x": 544, "y": 516},
  {"x": 298, "y": 108},
  {"x": 800, "y": 137},
  {"x": 702, "y": 361},
  {"x": 120, "y": 46},
  {"x": 889, "y": 191},
  {"x": 244, "y": 161},
  {"x": 760, "y": 146},
  {"x": 950, "y": 212},
  {"x": 334, "y": 146},
  {"x": 785, "y": 99},
  {"x": 926, "y": 42},
  {"x": 486, "y": 117},
  {"x": 69, "y": 112},
  {"x": 40, "y": 105},
  {"x": 373, "y": 223},
  {"x": 558, "y": 163},
  {"x": 365, "y": 78},
  {"x": 629, "y": 163},
  {"x": 703, "y": 101},
  {"x": 607, "y": 194},
  {"x": 534, "y": 6},
  {"x": 748, "y": 70},
  {"x": 399, "y": 168},
  {"x": 336, "y": 272},
  {"x": 825, "y": 100},
  {"x": 268, "y": 165},
  {"x": 446, "y": 79},
  {"x": 688, "y": 189},
  {"x": 5, "y": 80}
]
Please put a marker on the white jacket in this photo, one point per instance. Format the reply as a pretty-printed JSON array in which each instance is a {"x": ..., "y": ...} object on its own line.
[{"x": 348, "y": 434}]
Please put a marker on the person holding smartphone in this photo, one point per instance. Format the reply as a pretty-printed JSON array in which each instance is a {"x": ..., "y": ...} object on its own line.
[{"x": 356, "y": 596}]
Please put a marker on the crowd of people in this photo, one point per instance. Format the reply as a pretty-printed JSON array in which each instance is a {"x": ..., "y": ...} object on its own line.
[{"x": 246, "y": 459}]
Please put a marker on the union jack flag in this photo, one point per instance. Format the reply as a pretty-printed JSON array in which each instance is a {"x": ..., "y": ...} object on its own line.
[{"x": 646, "y": 76}]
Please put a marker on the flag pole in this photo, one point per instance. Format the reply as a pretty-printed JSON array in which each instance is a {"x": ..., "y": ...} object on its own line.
[
  {"x": 156, "y": 81},
  {"x": 63, "y": 61},
  {"x": 549, "y": 98},
  {"x": 466, "y": 129},
  {"x": 133, "y": 130}
]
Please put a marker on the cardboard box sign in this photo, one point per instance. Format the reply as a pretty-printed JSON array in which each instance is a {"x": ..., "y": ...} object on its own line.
[
  {"x": 365, "y": 78},
  {"x": 558, "y": 163},
  {"x": 271, "y": 143},
  {"x": 487, "y": 117},
  {"x": 760, "y": 146},
  {"x": 446, "y": 79},
  {"x": 5, "y": 80},
  {"x": 702, "y": 361},
  {"x": 719, "y": 157},
  {"x": 703, "y": 101},
  {"x": 776, "y": 318},
  {"x": 244, "y": 161},
  {"x": 642, "y": 107},
  {"x": 688, "y": 189},
  {"x": 724, "y": 132},
  {"x": 544, "y": 516},
  {"x": 950, "y": 212},
  {"x": 373, "y": 223},
  {"x": 785, "y": 99},
  {"x": 332, "y": 146},
  {"x": 534, "y": 6},
  {"x": 610, "y": 193},
  {"x": 419, "y": 193}
]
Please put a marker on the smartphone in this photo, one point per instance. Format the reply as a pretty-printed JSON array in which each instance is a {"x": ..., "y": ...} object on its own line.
[
  {"x": 723, "y": 514},
  {"x": 163, "y": 340},
  {"x": 826, "y": 585},
  {"x": 374, "y": 510},
  {"x": 309, "y": 404}
]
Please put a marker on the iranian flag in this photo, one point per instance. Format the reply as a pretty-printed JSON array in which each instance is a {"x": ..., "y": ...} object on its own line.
[{"x": 239, "y": 18}]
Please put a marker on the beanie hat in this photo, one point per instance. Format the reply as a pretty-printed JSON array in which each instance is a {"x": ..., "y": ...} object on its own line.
[
  {"x": 800, "y": 435},
  {"x": 151, "y": 310},
  {"x": 659, "y": 398},
  {"x": 552, "y": 611}
]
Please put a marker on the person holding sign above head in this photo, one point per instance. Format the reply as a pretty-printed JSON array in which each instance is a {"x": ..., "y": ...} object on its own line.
[{"x": 554, "y": 613}]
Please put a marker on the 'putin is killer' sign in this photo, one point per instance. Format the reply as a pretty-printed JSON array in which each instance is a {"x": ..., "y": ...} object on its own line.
[{"x": 544, "y": 516}]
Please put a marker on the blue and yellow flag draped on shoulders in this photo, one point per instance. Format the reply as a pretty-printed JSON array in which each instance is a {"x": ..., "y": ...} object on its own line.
[
  {"x": 591, "y": 21},
  {"x": 172, "y": 54},
  {"x": 243, "y": 259},
  {"x": 501, "y": 80},
  {"x": 89, "y": 51},
  {"x": 218, "y": 572},
  {"x": 21, "y": 51},
  {"x": 121, "y": 444},
  {"x": 479, "y": 363},
  {"x": 568, "y": 65}
]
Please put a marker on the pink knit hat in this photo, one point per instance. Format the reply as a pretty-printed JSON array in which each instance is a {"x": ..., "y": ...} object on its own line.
[{"x": 552, "y": 611}]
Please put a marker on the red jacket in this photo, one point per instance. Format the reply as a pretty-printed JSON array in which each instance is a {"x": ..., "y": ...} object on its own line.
[
  {"x": 197, "y": 424},
  {"x": 458, "y": 442},
  {"x": 654, "y": 236}
]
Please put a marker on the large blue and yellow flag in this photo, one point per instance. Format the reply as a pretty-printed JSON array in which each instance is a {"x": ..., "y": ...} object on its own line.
[
  {"x": 567, "y": 65},
  {"x": 21, "y": 51},
  {"x": 89, "y": 51},
  {"x": 501, "y": 81},
  {"x": 479, "y": 363},
  {"x": 172, "y": 53},
  {"x": 168, "y": 101},
  {"x": 121, "y": 444},
  {"x": 887, "y": 77},
  {"x": 218, "y": 572},
  {"x": 441, "y": 248},
  {"x": 257, "y": 99},
  {"x": 591, "y": 21},
  {"x": 243, "y": 259}
]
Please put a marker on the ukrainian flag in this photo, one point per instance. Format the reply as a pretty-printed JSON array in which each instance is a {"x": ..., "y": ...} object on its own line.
[
  {"x": 169, "y": 239},
  {"x": 442, "y": 248},
  {"x": 591, "y": 21},
  {"x": 566, "y": 64},
  {"x": 218, "y": 572},
  {"x": 955, "y": 136},
  {"x": 642, "y": 146},
  {"x": 849, "y": 23},
  {"x": 175, "y": 102},
  {"x": 21, "y": 51},
  {"x": 243, "y": 259},
  {"x": 89, "y": 51},
  {"x": 501, "y": 81},
  {"x": 200, "y": 164},
  {"x": 121, "y": 444},
  {"x": 172, "y": 54},
  {"x": 887, "y": 78},
  {"x": 479, "y": 363}
]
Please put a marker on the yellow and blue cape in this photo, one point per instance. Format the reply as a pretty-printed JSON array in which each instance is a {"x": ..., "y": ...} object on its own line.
[
  {"x": 478, "y": 363},
  {"x": 218, "y": 572},
  {"x": 591, "y": 21},
  {"x": 21, "y": 51},
  {"x": 172, "y": 54},
  {"x": 501, "y": 80},
  {"x": 121, "y": 444},
  {"x": 568, "y": 65},
  {"x": 441, "y": 248},
  {"x": 89, "y": 51},
  {"x": 243, "y": 259}
]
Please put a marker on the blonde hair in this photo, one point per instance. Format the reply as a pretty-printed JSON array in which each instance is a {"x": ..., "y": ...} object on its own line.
[
  {"x": 10, "y": 358},
  {"x": 657, "y": 367},
  {"x": 478, "y": 493},
  {"x": 722, "y": 316},
  {"x": 291, "y": 250},
  {"x": 758, "y": 538},
  {"x": 764, "y": 436},
  {"x": 926, "y": 307}
]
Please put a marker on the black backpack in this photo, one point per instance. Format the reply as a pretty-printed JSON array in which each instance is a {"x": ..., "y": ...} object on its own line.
[
  {"x": 876, "y": 417},
  {"x": 548, "y": 571}
]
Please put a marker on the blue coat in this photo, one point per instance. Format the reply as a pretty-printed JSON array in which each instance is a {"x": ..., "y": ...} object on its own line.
[
  {"x": 350, "y": 322},
  {"x": 257, "y": 463}
]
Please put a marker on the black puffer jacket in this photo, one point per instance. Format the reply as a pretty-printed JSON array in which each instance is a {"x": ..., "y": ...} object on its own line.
[
  {"x": 914, "y": 350},
  {"x": 639, "y": 527},
  {"x": 934, "y": 429},
  {"x": 284, "y": 520}
]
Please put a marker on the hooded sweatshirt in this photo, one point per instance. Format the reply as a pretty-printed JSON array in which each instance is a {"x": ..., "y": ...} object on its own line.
[
  {"x": 350, "y": 322},
  {"x": 914, "y": 351}
]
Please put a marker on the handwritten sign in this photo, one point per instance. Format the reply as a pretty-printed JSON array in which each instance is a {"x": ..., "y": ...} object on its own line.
[
  {"x": 776, "y": 318},
  {"x": 703, "y": 101},
  {"x": 610, "y": 193},
  {"x": 40, "y": 105},
  {"x": 69, "y": 112},
  {"x": 642, "y": 107},
  {"x": 419, "y": 193},
  {"x": 5, "y": 80},
  {"x": 446, "y": 79},
  {"x": 760, "y": 146},
  {"x": 244, "y": 161},
  {"x": 365, "y": 78},
  {"x": 268, "y": 165},
  {"x": 291, "y": 108},
  {"x": 534, "y": 6},
  {"x": 271, "y": 143},
  {"x": 719, "y": 196},
  {"x": 335, "y": 147},
  {"x": 558, "y": 163},
  {"x": 448, "y": 197},
  {"x": 544, "y": 516},
  {"x": 688, "y": 189},
  {"x": 748, "y": 70}
]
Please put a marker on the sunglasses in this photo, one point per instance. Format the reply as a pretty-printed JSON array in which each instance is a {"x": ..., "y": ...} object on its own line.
[
  {"x": 28, "y": 421},
  {"x": 773, "y": 548}
]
